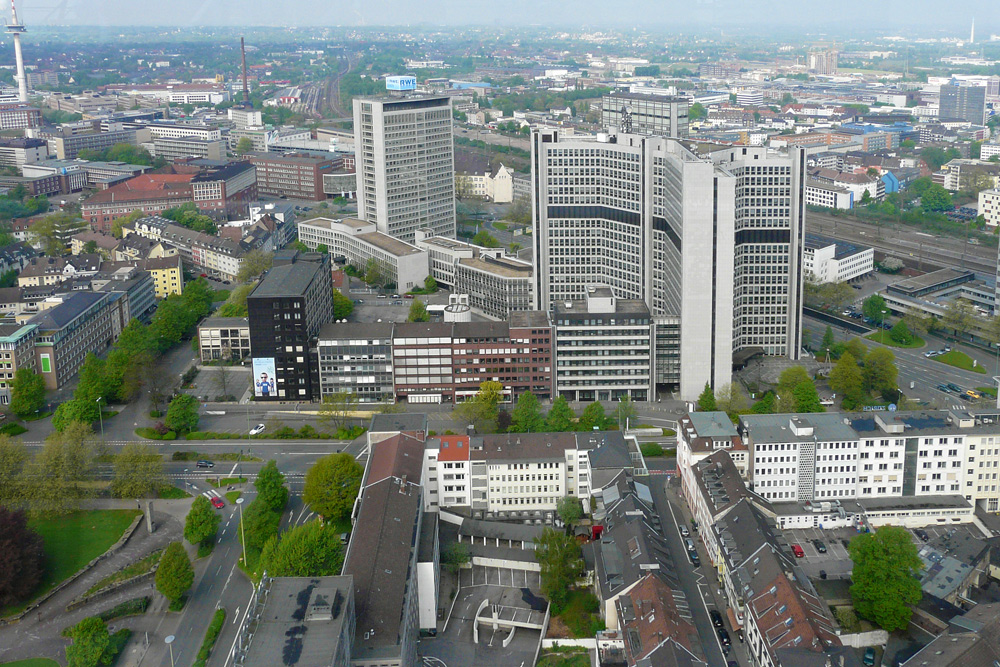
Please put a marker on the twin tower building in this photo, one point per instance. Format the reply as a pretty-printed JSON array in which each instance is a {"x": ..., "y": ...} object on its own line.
[{"x": 709, "y": 237}]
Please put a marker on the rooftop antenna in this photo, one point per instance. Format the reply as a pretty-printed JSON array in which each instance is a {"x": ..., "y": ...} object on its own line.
[
  {"x": 246, "y": 91},
  {"x": 15, "y": 28}
]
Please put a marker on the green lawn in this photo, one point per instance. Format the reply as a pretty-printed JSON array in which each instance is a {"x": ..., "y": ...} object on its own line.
[
  {"x": 31, "y": 662},
  {"x": 232, "y": 496},
  {"x": 989, "y": 391},
  {"x": 73, "y": 540},
  {"x": 959, "y": 359},
  {"x": 889, "y": 342},
  {"x": 564, "y": 657}
]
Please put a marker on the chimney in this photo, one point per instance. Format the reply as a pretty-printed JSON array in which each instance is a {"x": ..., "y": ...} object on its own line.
[{"x": 246, "y": 91}]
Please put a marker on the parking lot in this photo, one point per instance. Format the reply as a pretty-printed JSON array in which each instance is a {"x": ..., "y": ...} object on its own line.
[{"x": 512, "y": 589}]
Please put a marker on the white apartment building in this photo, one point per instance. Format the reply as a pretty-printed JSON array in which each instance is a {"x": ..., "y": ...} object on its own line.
[
  {"x": 178, "y": 130},
  {"x": 701, "y": 434},
  {"x": 405, "y": 164},
  {"x": 989, "y": 206},
  {"x": 825, "y": 260},
  {"x": 708, "y": 237},
  {"x": 357, "y": 241},
  {"x": 514, "y": 476},
  {"x": 822, "y": 458},
  {"x": 604, "y": 348},
  {"x": 987, "y": 151},
  {"x": 828, "y": 195}
]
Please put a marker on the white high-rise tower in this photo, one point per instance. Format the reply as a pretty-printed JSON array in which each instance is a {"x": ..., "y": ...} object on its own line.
[
  {"x": 972, "y": 34},
  {"x": 15, "y": 28}
]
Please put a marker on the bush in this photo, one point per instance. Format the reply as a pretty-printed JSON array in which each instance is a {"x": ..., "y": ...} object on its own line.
[
  {"x": 211, "y": 635},
  {"x": 153, "y": 434},
  {"x": 580, "y": 614},
  {"x": 649, "y": 449},
  {"x": 12, "y": 429},
  {"x": 847, "y": 618},
  {"x": 133, "y": 607},
  {"x": 155, "y": 414}
]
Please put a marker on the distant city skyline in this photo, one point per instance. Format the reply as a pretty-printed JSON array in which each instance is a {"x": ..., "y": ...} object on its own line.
[{"x": 701, "y": 14}]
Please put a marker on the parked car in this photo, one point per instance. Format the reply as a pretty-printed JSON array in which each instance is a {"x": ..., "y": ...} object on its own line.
[
  {"x": 684, "y": 531},
  {"x": 922, "y": 534},
  {"x": 931, "y": 354},
  {"x": 382, "y": 296},
  {"x": 972, "y": 393},
  {"x": 395, "y": 296},
  {"x": 716, "y": 618},
  {"x": 797, "y": 550},
  {"x": 820, "y": 547},
  {"x": 869, "y": 657},
  {"x": 259, "y": 428},
  {"x": 724, "y": 637},
  {"x": 689, "y": 544},
  {"x": 227, "y": 282},
  {"x": 694, "y": 559},
  {"x": 204, "y": 464},
  {"x": 217, "y": 503},
  {"x": 846, "y": 543}
]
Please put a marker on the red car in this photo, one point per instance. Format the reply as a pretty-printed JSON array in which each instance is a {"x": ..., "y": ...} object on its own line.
[
  {"x": 217, "y": 503},
  {"x": 797, "y": 550}
]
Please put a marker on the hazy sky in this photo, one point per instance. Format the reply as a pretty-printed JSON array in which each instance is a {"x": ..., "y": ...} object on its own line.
[{"x": 814, "y": 15}]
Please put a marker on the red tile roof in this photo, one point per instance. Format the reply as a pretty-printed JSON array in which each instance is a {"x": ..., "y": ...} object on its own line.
[{"x": 454, "y": 448}]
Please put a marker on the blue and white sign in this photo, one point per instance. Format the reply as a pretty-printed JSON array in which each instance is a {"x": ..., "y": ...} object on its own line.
[{"x": 400, "y": 83}]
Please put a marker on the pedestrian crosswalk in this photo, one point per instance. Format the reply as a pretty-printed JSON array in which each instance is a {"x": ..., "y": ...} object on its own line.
[{"x": 211, "y": 493}]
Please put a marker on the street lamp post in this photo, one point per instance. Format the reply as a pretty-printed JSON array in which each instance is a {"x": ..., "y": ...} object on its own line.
[
  {"x": 997, "y": 345},
  {"x": 101, "y": 415},
  {"x": 169, "y": 640},
  {"x": 881, "y": 325},
  {"x": 239, "y": 503}
]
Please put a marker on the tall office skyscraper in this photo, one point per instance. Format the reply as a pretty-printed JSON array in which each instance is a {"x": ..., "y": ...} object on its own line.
[
  {"x": 645, "y": 113},
  {"x": 710, "y": 237},
  {"x": 405, "y": 164},
  {"x": 964, "y": 102}
]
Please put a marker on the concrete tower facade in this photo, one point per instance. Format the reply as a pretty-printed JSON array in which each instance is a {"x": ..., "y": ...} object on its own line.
[{"x": 15, "y": 28}]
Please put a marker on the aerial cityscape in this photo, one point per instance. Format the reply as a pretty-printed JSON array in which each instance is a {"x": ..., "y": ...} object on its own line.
[{"x": 439, "y": 335}]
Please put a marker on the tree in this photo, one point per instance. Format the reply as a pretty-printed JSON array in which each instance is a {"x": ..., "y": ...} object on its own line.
[
  {"x": 75, "y": 410},
  {"x": 174, "y": 574},
  {"x": 935, "y": 199},
  {"x": 959, "y": 315},
  {"x": 806, "y": 397},
  {"x": 49, "y": 232},
  {"x": 625, "y": 411},
  {"x": 27, "y": 392},
  {"x": 558, "y": 554},
  {"x": 527, "y": 416},
  {"x": 481, "y": 410},
  {"x": 222, "y": 377},
  {"x": 244, "y": 146},
  {"x": 916, "y": 321},
  {"x": 336, "y": 409},
  {"x": 560, "y": 417},
  {"x": 254, "y": 264},
  {"x": 885, "y": 583},
  {"x": 59, "y": 472},
  {"x": 138, "y": 470},
  {"x": 731, "y": 400},
  {"x": 873, "y": 306},
  {"x": 765, "y": 406},
  {"x": 828, "y": 340},
  {"x": 323, "y": 249},
  {"x": 91, "y": 645},
  {"x": 880, "y": 371},
  {"x": 182, "y": 414},
  {"x": 792, "y": 377},
  {"x": 484, "y": 239},
  {"x": 430, "y": 285},
  {"x": 857, "y": 349},
  {"x": 569, "y": 510},
  {"x": 22, "y": 559},
  {"x": 332, "y": 485},
  {"x": 696, "y": 112},
  {"x": 202, "y": 522},
  {"x": 309, "y": 550},
  {"x": 418, "y": 312},
  {"x": 900, "y": 333},
  {"x": 260, "y": 524},
  {"x": 374, "y": 275},
  {"x": 454, "y": 555},
  {"x": 706, "y": 401},
  {"x": 593, "y": 416},
  {"x": 270, "y": 485},
  {"x": 342, "y": 306},
  {"x": 845, "y": 378},
  {"x": 13, "y": 459}
]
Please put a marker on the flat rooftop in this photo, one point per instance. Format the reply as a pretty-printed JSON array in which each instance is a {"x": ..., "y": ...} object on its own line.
[
  {"x": 393, "y": 246},
  {"x": 302, "y": 622},
  {"x": 929, "y": 281},
  {"x": 501, "y": 266}
]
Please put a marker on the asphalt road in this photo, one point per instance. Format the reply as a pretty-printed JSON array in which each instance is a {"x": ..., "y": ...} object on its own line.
[{"x": 693, "y": 581}]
